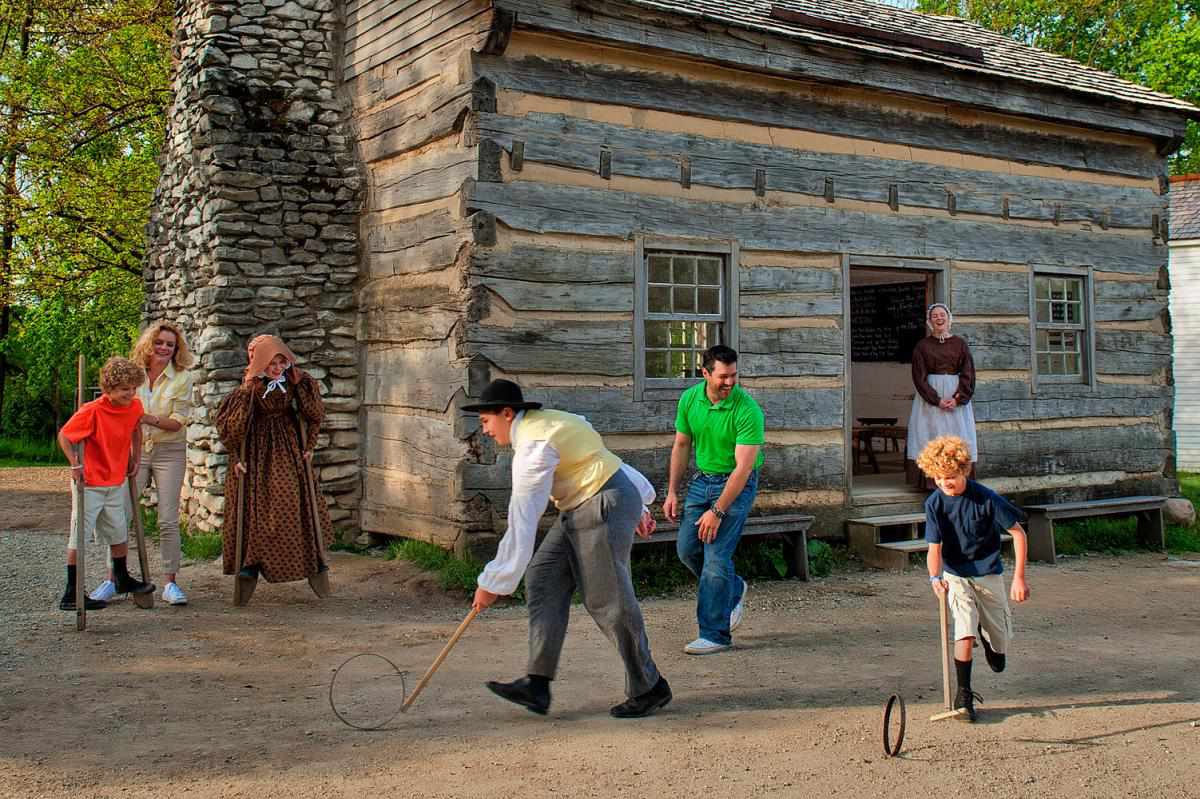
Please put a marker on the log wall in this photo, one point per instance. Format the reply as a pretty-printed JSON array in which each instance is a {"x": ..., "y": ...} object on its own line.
[{"x": 511, "y": 172}]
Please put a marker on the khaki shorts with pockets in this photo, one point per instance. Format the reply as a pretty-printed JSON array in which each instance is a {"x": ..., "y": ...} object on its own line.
[
  {"x": 981, "y": 602},
  {"x": 104, "y": 515}
]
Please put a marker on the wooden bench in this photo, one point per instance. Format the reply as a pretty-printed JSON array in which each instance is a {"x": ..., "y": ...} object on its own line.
[
  {"x": 1042, "y": 517},
  {"x": 792, "y": 527},
  {"x": 886, "y": 542}
]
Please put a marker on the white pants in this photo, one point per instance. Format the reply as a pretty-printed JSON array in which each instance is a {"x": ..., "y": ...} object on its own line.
[{"x": 166, "y": 462}]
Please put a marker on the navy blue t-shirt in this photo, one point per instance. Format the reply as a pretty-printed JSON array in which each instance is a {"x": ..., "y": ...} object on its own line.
[{"x": 968, "y": 527}]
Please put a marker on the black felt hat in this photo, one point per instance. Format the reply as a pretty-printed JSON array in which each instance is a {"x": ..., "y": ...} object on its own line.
[{"x": 502, "y": 394}]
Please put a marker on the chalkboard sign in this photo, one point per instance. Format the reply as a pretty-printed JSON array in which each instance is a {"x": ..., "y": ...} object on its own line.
[{"x": 886, "y": 321}]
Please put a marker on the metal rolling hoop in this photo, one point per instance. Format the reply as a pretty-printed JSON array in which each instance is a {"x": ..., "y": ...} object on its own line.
[
  {"x": 400, "y": 706},
  {"x": 892, "y": 749}
]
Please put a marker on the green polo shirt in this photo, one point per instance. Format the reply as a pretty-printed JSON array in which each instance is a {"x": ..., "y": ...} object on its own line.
[{"x": 716, "y": 429}]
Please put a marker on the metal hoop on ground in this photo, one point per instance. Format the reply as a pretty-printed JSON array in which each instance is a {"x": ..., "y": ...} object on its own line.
[
  {"x": 373, "y": 684},
  {"x": 889, "y": 748}
]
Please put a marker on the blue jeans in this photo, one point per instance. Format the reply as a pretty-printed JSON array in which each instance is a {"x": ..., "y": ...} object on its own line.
[{"x": 720, "y": 587}]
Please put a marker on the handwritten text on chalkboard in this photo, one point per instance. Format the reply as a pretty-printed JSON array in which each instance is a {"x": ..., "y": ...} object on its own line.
[{"x": 886, "y": 321}]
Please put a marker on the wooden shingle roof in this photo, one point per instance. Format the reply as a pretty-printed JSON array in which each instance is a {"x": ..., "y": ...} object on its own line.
[
  {"x": 1185, "y": 207},
  {"x": 1001, "y": 56}
]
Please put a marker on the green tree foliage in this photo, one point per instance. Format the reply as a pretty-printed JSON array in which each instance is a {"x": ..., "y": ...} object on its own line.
[
  {"x": 84, "y": 85},
  {"x": 1152, "y": 42}
]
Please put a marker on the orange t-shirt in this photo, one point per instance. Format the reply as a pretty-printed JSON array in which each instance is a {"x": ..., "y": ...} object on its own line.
[{"x": 107, "y": 433}]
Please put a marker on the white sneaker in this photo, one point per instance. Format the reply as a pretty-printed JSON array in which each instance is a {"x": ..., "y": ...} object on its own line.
[
  {"x": 104, "y": 592},
  {"x": 739, "y": 610},
  {"x": 173, "y": 594},
  {"x": 703, "y": 646}
]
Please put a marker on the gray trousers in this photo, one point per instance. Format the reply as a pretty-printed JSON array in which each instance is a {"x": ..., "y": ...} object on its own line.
[{"x": 588, "y": 548}]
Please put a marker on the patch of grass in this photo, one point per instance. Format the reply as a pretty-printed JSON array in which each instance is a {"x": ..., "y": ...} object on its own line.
[
  {"x": 453, "y": 573},
  {"x": 195, "y": 546},
  {"x": 201, "y": 546},
  {"x": 28, "y": 452}
]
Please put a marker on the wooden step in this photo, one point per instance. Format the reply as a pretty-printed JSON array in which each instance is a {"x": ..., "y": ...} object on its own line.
[
  {"x": 890, "y": 521},
  {"x": 896, "y": 556}
]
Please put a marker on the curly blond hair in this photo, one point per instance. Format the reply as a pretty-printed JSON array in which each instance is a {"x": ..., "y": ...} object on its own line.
[
  {"x": 144, "y": 348},
  {"x": 945, "y": 456},
  {"x": 119, "y": 372}
]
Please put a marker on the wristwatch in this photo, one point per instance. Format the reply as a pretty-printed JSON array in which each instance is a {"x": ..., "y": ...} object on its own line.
[{"x": 720, "y": 514}]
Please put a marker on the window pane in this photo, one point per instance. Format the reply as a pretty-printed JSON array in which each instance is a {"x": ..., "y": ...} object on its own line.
[
  {"x": 1043, "y": 364},
  {"x": 660, "y": 269},
  {"x": 1074, "y": 290},
  {"x": 1058, "y": 289},
  {"x": 1043, "y": 341},
  {"x": 1042, "y": 288},
  {"x": 709, "y": 300},
  {"x": 685, "y": 299},
  {"x": 1058, "y": 312},
  {"x": 696, "y": 364},
  {"x": 710, "y": 272},
  {"x": 680, "y": 360},
  {"x": 1072, "y": 365},
  {"x": 712, "y": 335},
  {"x": 1074, "y": 316},
  {"x": 1070, "y": 342},
  {"x": 656, "y": 363},
  {"x": 658, "y": 334},
  {"x": 1057, "y": 366},
  {"x": 1043, "y": 310},
  {"x": 680, "y": 335},
  {"x": 685, "y": 271},
  {"x": 660, "y": 299}
]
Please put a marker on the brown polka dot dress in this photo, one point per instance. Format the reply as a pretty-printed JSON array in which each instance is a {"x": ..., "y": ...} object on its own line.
[{"x": 278, "y": 536}]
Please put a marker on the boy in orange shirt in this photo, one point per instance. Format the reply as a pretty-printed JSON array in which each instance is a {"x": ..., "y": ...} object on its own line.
[{"x": 111, "y": 435}]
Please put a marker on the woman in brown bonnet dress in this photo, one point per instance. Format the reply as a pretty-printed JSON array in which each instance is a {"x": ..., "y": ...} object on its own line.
[{"x": 269, "y": 426}]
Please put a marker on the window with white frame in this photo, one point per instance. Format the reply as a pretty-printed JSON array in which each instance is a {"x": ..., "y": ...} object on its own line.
[
  {"x": 683, "y": 306},
  {"x": 1060, "y": 320}
]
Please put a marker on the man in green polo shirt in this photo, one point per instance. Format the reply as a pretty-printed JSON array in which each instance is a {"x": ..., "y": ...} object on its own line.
[{"x": 725, "y": 426}]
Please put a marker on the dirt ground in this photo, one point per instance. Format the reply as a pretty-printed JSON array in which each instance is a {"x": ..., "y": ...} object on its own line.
[{"x": 1100, "y": 700}]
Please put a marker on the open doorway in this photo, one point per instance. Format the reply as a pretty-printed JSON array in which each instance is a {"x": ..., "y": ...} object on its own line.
[{"x": 887, "y": 319}]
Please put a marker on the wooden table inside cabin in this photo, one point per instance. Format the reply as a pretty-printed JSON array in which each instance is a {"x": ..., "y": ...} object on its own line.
[{"x": 863, "y": 437}]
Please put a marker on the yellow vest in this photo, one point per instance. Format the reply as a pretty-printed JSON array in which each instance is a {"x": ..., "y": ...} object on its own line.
[{"x": 584, "y": 465}]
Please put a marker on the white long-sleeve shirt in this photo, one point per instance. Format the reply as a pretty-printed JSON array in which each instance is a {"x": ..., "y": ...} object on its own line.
[{"x": 533, "y": 468}]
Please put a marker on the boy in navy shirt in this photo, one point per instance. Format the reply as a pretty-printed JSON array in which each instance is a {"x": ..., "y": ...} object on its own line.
[{"x": 963, "y": 524}]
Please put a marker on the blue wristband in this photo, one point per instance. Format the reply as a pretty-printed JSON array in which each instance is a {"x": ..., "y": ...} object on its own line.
[{"x": 936, "y": 579}]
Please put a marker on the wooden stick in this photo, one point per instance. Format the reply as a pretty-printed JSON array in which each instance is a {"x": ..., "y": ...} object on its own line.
[
  {"x": 319, "y": 582},
  {"x": 141, "y": 600},
  {"x": 438, "y": 661},
  {"x": 944, "y": 633},
  {"x": 80, "y": 497},
  {"x": 945, "y": 636}
]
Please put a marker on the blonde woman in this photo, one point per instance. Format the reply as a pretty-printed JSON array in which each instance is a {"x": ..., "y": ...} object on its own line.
[{"x": 167, "y": 399}]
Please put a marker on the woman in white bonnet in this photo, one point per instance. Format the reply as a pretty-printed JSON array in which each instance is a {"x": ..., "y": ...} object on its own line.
[{"x": 944, "y": 376}]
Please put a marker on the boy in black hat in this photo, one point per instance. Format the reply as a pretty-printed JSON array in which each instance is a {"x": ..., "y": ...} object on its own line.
[{"x": 559, "y": 456}]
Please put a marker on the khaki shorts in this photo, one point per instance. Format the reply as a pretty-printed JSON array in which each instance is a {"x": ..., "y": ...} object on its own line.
[
  {"x": 104, "y": 515},
  {"x": 981, "y": 602}
]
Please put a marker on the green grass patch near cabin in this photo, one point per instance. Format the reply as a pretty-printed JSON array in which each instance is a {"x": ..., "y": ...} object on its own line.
[{"x": 18, "y": 452}]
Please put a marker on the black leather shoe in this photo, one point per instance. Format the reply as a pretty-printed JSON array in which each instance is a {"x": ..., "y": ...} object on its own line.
[
  {"x": 996, "y": 660},
  {"x": 646, "y": 704},
  {"x": 524, "y": 693},
  {"x": 965, "y": 700},
  {"x": 128, "y": 585},
  {"x": 68, "y": 603}
]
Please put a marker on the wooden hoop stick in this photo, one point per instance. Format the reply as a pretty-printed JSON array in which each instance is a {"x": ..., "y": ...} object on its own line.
[
  {"x": 145, "y": 601},
  {"x": 80, "y": 498},
  {"x": 438, "y": 661},
  {"x": 944, "y": 634}
]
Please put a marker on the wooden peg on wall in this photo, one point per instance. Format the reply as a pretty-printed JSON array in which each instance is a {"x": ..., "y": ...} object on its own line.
[
  {"x": 606, "y": 164},
  {"x": 829, "y": 195},
  {"x": 1004, "y": 208},
  {"x": 951, "y": 203},
  {"x": 1105, "y": 219},
  {"x": 894, "y": 197},
  {"x": 685, "y": 173},
  {"x": 517, "y": 160},
  {"x": 760, "y": 182},
  {"x": 1057, "y": 213}
]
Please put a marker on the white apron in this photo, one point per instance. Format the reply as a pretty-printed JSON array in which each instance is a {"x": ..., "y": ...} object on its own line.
[{"x": 927, "y": 422}]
